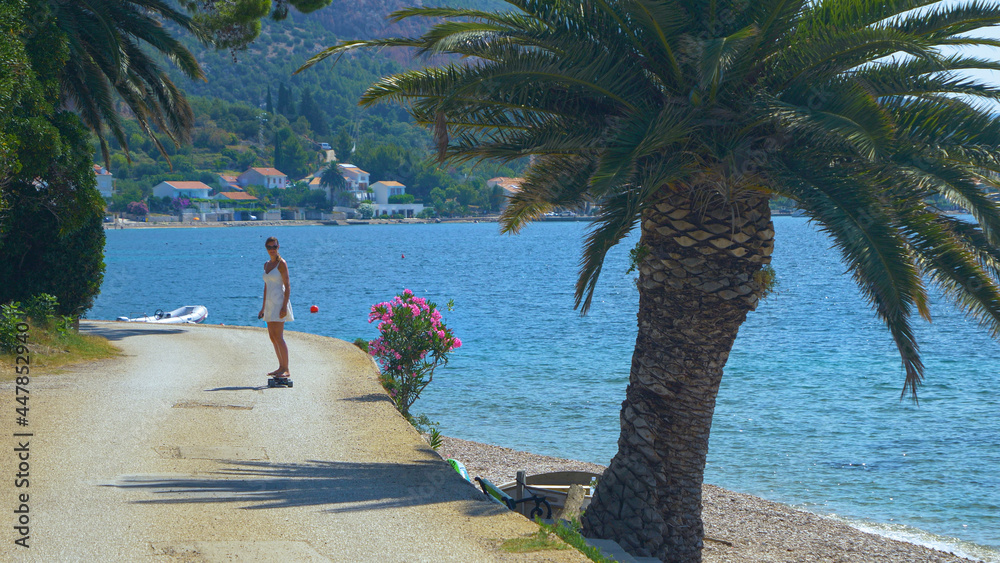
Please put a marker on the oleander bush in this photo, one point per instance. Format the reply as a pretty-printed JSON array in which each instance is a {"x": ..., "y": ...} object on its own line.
[{"x": 413, "y": 341}]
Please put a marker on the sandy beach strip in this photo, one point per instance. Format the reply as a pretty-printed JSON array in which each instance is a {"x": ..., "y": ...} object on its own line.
[{"x": 739, "y": 528}]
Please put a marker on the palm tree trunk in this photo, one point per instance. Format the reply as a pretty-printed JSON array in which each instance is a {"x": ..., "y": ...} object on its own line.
[{"x": 696, "y": 285}]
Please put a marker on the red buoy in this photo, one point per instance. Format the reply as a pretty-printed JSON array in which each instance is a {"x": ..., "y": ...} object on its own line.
[{"x": 314, "y": 309}]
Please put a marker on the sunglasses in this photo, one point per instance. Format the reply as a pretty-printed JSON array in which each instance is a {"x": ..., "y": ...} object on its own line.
[{"x": 270, "y": 246}]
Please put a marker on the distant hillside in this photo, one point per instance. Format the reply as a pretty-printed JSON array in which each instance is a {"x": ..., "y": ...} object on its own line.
[
  {"x": 249, "y": 107},
  {"x": 284, "y": 46}
]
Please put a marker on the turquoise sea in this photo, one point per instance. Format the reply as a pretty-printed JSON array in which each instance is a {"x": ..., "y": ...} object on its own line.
[{"x": 809, "y": 413}]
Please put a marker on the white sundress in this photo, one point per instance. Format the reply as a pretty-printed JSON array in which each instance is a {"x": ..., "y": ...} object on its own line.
[{"x": 275, "y": 290}]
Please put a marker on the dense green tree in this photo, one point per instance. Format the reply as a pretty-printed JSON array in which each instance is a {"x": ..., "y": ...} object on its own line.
[
  {"x": 285, "y": 106},
  {"x": 343, "y": 146},
  {"x": 234, "y": 24},
  {"x": 683, "y": 119},
  {"x": 269, "y": 105},
  {"x": 17, "y": 85},
  {"x": 51, "y": 232},
  {"x": 289, "y": 155},
  {"x": 494, "y": 198},
  {"x": 384, "y": 161},
  {"x": 278, "y": 157},
  {"x": 309, "y": 109},
  {"x": 467, "y": 195}
]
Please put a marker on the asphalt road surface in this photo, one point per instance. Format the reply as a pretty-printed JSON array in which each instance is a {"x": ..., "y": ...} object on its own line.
[{"x": 178, "y": 451}]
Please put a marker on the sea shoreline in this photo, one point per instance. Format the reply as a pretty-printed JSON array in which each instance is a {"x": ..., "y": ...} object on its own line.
[
  {"x": 125, "y": 225},
  {"x": 738, "y": 527}
]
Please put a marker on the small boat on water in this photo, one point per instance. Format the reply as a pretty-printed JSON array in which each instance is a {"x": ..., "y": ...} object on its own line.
[
  {"x": 553, "y": 486},
  {"x": 186, "y": 314}
]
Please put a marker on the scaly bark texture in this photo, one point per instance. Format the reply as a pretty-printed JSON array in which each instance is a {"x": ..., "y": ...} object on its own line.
[{"x": 696, "y": 286}]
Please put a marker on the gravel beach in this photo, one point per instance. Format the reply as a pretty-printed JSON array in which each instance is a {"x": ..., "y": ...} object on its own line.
[{"x": 739, "y": 528}]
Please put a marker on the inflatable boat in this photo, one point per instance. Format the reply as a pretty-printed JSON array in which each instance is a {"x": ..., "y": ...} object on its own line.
[{"x": 186, "y": 314}]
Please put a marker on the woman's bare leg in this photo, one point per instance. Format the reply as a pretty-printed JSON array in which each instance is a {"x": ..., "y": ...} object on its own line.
[{"x": 277, "y": 332}]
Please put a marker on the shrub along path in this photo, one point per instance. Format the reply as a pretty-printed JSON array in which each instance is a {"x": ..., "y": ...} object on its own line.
[{"x": 177, "y": 451}]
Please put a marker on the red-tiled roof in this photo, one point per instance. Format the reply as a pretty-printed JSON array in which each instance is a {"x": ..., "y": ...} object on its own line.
[
  {"x": 238, "y": 196},
  {"x": 351, "y": 168},
  {"x": 188, "y": 185},
  {"x": 269, "y": 171},
  {"x": 510, "y": 185}
]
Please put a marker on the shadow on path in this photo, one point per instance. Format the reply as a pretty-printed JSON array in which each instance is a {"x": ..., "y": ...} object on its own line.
[
  {"x": 340, "y": 487},
  {"x": 115, "y": 333},
  {"x": 259, "y": 388},
  {"x": 370, "y": 398}
]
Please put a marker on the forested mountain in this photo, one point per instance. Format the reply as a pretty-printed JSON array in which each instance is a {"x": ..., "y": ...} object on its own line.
[
  {"x": 284, "y": 46},
  {"x": 253, "y": 111}
]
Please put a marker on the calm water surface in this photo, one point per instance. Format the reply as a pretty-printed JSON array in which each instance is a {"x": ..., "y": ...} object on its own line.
[{"x": 809, "y": 412}]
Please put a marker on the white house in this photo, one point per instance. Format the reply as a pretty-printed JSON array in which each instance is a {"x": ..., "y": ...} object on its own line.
[
  {"x": 355, "y": 181},
  {"x": 267, "y": 177},
  {"x": 175, "y": 189},
  {"x": 387, "y": 188},
  {"x": 105, "y": 181}
]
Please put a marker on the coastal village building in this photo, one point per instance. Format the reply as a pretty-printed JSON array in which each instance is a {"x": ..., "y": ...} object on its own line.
[
  {"x": 174, "y": 189},
  {"x": 387, "y": 188},
  {"x": 228, "y": 182},
  {"x": 105, "y": 181},
  {"x": 225, "y": 204},
  {"x": 510, "y": 186},
  {"x": 234, "y": 196},
  {"x": 267, "y": 177},
  {"x": 356, "y": 181}
]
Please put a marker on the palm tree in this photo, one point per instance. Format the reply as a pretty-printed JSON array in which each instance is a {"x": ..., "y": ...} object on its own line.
[
  {"x": 683, "y": 119},
  {"x": 333, "y": 177},
  {"x": 110, "y": 44}
]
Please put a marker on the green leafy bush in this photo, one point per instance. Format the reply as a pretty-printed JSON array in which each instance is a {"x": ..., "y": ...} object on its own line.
[
  {"x": 11, "y": 315},
  {"x": 41, "y": 309},
  {"x": 403, "y": 198}
]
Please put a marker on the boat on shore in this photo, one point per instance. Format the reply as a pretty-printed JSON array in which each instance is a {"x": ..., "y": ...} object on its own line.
[
  {"x": 553, "y": 486},
  {"x": 187, "y": 314}
]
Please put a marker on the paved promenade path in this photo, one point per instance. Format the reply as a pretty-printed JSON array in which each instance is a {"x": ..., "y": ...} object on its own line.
[{"x": 178, "y": 451}]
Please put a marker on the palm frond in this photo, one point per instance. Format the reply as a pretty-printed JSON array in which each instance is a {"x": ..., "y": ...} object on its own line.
[{"x": 876, "y": 255}]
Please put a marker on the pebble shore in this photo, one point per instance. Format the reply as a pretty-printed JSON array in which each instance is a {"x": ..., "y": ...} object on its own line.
[{"x": 739, "y": 528}]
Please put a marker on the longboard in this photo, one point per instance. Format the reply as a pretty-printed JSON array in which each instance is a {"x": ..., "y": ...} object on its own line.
[{"x": 279, "y": 382}]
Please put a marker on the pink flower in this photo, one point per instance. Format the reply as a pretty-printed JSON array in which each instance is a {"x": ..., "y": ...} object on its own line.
[{"x": 456, "y": 343}]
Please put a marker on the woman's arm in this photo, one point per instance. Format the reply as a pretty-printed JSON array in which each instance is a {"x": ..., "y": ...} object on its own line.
[
  {"x": 283, "y": 268},
  {"x": 260, "y": 315}
]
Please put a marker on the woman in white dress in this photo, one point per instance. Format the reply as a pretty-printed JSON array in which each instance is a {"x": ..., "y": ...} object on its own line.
[{"x": 276, "y": 310}]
